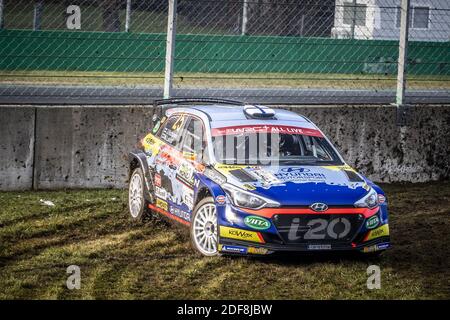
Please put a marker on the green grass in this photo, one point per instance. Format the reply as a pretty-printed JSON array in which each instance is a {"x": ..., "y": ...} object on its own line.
[
  {"x": 120, "y": 259},
  {"x": 221, "y": 80}
]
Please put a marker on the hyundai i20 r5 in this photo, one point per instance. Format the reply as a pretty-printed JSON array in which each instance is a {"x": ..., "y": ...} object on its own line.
[{"x": 252, "y": 180}]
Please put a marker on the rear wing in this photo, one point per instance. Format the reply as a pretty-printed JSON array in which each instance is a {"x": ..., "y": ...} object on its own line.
[{"x": 181, "y": 101}]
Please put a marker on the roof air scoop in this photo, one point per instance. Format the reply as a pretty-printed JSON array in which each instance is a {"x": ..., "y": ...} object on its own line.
[{"x": 258, "y": 112}]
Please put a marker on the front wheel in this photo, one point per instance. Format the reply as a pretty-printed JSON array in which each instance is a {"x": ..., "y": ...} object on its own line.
[
  {"x": 204, "y": 228},
  {"x": 137, "y": 205}
]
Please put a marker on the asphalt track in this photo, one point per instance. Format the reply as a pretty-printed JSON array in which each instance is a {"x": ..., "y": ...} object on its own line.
[{"x": 111, "y": 95}]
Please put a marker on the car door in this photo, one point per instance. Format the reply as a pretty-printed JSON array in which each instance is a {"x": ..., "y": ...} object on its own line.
[
  {"x": 193, "y": 156},
  {"x": 167, "y": 162}
]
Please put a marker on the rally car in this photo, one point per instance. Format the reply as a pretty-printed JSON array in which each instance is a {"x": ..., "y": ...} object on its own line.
[{"x": 248, "y": 179}]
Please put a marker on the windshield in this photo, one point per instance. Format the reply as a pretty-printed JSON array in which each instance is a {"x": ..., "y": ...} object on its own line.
[{"x": 272, "y": 145}]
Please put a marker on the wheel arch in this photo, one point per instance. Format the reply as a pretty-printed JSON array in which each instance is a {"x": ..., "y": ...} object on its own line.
[
  {"x": 202, "y": 193},
  {"x": 137, "y": 159}
]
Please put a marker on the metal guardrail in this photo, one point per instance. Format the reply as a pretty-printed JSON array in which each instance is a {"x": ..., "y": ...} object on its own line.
[{"x": 107, "y": 95}]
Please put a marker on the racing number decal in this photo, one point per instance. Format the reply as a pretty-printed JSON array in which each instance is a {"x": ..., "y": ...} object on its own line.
[
  {"x": 178, "y": 124},
  {"x": 318, "y": 229}
]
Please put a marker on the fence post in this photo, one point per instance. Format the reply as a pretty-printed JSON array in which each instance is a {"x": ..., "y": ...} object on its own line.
[
  {"x": 244, "y": 17},
  {"x": 37, "y": 16},
  {"x": 402, "y": 51},
  {"x": 170, "y": 48},
  {"x": 2, "y": 7},
  {"x": 128, "y": 16},
  {"x": 352, "y": 32},
  {"x": 402, "y": 61}
]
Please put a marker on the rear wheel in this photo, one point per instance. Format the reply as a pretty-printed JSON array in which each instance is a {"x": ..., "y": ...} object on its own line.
[
  {"x": 204, "y": 228},
  {"x": 137, "y": 205}
]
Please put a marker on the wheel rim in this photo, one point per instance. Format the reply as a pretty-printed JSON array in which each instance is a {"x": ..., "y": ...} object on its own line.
[
  {"x": 205, "y": 229},
  {"x": 135, "y": 195}
]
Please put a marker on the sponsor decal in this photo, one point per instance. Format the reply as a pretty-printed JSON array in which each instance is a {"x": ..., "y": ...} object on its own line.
[
  {"x": 381, "y": 199},
  {"x": 294, "y": 170},
  {"x": 220, "y": 199},
  {"x": 383, "y": 245},
  {"x": 188, "y": 197},
  {"x": 254, "y": 250},
  {"x": 151, "y": 145},
  {"x": 274, "y": 129},
  {"x": 180, "y": 213},
  {"x": 191, "y": 156},
  {"x": 157, "y": 180},
  {"x": 185, "y": 173},
  {"x": 161, "y": 193},
  {"x": 370, "y": 249},
  {"x": 378, "y": 232},
  {"x": 376, "y": 247},
  {"x": 156, "y": 127},
  {"x": 249, "y": 187},
  {"x": 299, "y": 174},
  {"x": 162, "y": 204},
  {"x": 215, "y": 176},
  {"x": 234, "y": 249},
  {"x": 265, "y": 177},
  {"x": 319, "y": 247},
  {"x": 149, "y": 139},
  {"x": 257, "y": 222},
  {"x": 233, "y": 233},
  {"x": 372, "y": 222},
  {"x": 196, "y": 183}
]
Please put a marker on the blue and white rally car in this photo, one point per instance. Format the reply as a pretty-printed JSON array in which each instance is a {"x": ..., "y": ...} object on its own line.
[{"x": 248, "y": 179}]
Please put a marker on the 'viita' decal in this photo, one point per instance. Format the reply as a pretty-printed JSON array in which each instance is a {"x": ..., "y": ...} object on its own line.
[
  {"x": 256, "y": 222},
  {"x": 372, "y": 222}
]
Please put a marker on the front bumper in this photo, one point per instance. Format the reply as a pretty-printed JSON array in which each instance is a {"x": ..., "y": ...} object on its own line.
[
  {"x": 244, "y": 247},
  {"x": 288, "y": 228}
]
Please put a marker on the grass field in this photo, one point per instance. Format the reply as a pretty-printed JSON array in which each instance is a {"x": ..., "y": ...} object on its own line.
[
  {"x": 119, "y": 259},
  {"x": 221, "y": 80}
]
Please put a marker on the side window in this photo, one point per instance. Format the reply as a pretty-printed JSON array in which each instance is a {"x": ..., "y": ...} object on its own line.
[
  {"x": 171, "y": 132},
  {"x": 194, "y": 139}
]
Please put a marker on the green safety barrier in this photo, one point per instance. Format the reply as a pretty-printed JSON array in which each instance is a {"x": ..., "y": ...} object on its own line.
[{"x": 138, "y": 52}]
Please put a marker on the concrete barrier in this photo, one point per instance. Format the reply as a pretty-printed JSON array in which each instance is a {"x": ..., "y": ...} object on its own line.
[
  {"x": 371, "y": 142},
  {"x": 16, "y": 148},
  {"x": 86, "y": 147}
]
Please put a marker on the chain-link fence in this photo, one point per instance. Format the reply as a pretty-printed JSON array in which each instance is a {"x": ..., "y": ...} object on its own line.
[{"x": 280, "y": 51}]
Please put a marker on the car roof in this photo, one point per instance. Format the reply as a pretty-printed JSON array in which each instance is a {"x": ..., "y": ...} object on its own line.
[{"x": 225, "y": 115}]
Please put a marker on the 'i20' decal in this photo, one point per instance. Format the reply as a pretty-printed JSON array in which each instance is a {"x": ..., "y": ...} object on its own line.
[{"x": 319, "y": 229}]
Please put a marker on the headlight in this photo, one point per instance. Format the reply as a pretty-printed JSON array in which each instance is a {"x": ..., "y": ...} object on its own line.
[
  {"x": 245, "y": 199},
  {"x": 370, "y": 200}
]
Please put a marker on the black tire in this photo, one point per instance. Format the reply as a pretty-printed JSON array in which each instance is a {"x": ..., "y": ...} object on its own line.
[
  {"x": 204, "y": 202},
  {"x": 138, "y": 211}
]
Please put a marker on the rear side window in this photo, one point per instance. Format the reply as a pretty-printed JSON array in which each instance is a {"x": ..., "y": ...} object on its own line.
[{"x": 171, "y": 132}]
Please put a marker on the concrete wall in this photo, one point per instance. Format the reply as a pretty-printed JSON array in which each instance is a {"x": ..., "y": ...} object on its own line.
[
  {"x": 86, "y": 147},
  {"x": 16, "y": 148},
  {"x": 370, "y": 141}
]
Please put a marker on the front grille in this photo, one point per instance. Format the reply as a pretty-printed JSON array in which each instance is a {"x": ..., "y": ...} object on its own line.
[{"x": 318, "y": 228}]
